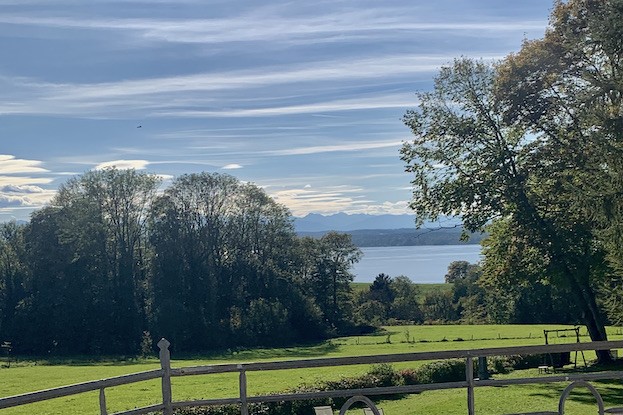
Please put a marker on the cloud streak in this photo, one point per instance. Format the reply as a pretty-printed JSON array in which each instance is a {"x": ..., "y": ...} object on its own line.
[
  {"x": 354, "y": 146},
  {"x": 272, "y": 24}
]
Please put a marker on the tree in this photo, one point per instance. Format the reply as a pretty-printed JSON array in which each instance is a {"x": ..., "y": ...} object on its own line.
[
  {"x": 12, "y": 276},
  {"x": 225, "y": 258},
  {"x": 329, "y": 281},
  {"x": 567, "y": 89},
  {"x": 457, "y": 270},
  {"x": 381, "y": 289},
  {"x": 468, "y": 159},
  {"x": 87, "y": 254},
  {"x": 516, "y": 283},
  {"x": 405, "y": 305}
]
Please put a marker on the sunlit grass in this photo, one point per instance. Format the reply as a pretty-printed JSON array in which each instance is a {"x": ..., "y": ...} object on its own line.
[{"x": 27, "y": 376}]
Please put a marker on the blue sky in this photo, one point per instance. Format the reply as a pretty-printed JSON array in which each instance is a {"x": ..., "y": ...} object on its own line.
[{"x": 303, "y": 98}]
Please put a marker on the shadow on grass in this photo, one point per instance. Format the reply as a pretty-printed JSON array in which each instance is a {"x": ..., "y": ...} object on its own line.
[
  {"x": 294, "y": 352},
  {"x": 300, "y": 352},
  {"x": 611, "y": 392}
]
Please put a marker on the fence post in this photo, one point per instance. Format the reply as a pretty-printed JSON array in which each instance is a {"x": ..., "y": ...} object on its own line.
[
  {"x": 244, "y": 406},
  {"x": 165, "y": 364},
  {"x": 483, "y": 372},
  {"x": 469, "y": 376},
  {"x": 103, "y": 402}
]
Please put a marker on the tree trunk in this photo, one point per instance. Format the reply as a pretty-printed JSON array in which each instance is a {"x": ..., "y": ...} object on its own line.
[{"x": 591, "y": 315}]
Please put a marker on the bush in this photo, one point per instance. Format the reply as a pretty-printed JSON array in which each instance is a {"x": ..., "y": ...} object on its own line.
[
  {"x": 506, "y": 364},
  {"x": 408, "y": 377},
  {"x": 452, "y": 370}
]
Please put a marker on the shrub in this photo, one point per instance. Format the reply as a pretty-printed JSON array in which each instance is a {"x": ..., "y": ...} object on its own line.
[
  {"x": 408, "y": 377},
  {"x": 452, "y": 370},
  {"x": 506, "y": 364}
]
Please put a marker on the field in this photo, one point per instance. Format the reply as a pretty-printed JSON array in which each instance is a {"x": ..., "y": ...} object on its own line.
[
  {"x": 28, "y": 375},
  {"x": 423, "y": 289}
]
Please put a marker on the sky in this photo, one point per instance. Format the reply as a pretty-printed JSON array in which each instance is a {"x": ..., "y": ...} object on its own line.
[{"x": 302, "y": 98}]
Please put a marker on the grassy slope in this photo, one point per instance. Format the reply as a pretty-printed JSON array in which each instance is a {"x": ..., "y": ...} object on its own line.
[{"x": 27, "y": 376}]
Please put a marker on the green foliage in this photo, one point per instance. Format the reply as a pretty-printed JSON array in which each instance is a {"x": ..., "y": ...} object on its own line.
[
  {"x": 535, "y": 141},
  {"x": 209, "y": 263}
]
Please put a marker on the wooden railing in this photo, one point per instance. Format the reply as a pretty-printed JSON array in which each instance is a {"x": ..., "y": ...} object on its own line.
[{"x": 356, "y": 395}]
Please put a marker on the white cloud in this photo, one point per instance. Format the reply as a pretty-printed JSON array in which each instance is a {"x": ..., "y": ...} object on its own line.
[
  {"x": 23, "y": 195},
  {"x": 13, "y": 188},
  {"x": 23, "y": 180},
  {"x": 273, "y": 25},
  {"x": 353, "y": 146},
  {"x": 11, "y": 165},
  {"x": 232, "y": 166},
  {"x": 123, "y": 164},
  {"x": 187, "y": 95}
]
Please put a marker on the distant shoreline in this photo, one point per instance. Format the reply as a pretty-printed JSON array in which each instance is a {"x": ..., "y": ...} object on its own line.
[{"x": 366, "y": 238}]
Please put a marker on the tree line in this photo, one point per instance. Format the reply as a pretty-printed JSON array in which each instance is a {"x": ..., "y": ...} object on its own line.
[{"x": 210, "y": 262}]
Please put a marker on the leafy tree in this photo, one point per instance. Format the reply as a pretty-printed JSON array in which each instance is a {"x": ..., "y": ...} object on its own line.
[
  {"x": 381, "y": 289},
  {"x": 371, "y": 312},
  {"x": 516, "y": 282},
  {"x": 86, "y": 254},
  {"x": 457, "y": 270},
  {"x": 12, "y": 276},
  {"x": 567, "y": 90},
  {"x": 438, "y": 306},
  {"x": 405, "y": 305},
  {"x": 468, "y": 158},
  {"x": 225, "y": 257},
  {"x": 331, "y": 279}
]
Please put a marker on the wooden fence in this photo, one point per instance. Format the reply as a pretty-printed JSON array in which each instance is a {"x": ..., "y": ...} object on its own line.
[{"x": 356, "y": 395}]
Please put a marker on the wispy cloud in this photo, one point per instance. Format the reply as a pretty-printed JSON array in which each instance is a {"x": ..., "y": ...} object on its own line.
[
  {"x": 277, "y": 24},
  {"x": 331, "y": 199},
  {"x": 352, "y": 146},
  {"x": 223, "y": 94}
]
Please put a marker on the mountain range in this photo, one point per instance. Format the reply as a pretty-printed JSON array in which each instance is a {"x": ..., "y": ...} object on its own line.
[
  {"x": 343, "y": 222},
  {"x": 384, "y": 230}
]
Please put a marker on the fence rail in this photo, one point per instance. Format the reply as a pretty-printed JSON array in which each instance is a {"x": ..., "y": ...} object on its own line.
[{"x": 358, "y": 395}]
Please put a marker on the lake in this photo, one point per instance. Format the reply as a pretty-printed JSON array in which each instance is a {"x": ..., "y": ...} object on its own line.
[{"x": 422, "y": 264}]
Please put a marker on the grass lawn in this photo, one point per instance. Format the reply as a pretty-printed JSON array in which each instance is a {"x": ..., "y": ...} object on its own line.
[{"x": 26, "y": 376}]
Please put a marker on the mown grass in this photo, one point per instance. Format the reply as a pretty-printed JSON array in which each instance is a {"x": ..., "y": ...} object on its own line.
[
  {"x": 27, "y": 375},
  {"x": 423, "y": 289}
]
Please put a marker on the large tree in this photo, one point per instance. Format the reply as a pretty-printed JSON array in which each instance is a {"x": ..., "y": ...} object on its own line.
[
  {"x": 469, "y": 159},
  {"x": 567, "y": 90},
  {"x": 87, "y": 257},
  {"x": 223, "y": 266}
]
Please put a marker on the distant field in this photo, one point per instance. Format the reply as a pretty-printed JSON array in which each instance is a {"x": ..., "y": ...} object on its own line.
[
  {"x": 28, "y": 375},
  {"x": 424, "y": 289}
]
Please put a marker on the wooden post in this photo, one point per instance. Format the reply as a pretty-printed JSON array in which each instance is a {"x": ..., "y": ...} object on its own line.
[
  {"x": 103, "y": 402},
  {"x": 244, "y": 406},
  {"x": 483, "y": 372},
  {"x": 469, "y": 376},
  {"x": 165, "y": 364}
]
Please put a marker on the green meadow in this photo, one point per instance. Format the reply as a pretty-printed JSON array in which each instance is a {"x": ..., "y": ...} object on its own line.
[{"x": 26, "y": 375}]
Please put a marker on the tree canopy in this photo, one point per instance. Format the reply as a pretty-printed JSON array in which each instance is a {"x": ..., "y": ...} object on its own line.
[
  {"x": 535, "y": 141},
  {"x": 209, "y": 263}
]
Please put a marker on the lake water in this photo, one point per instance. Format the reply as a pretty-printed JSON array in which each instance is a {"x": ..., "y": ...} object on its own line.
[{"x": 422, "y": 264}]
